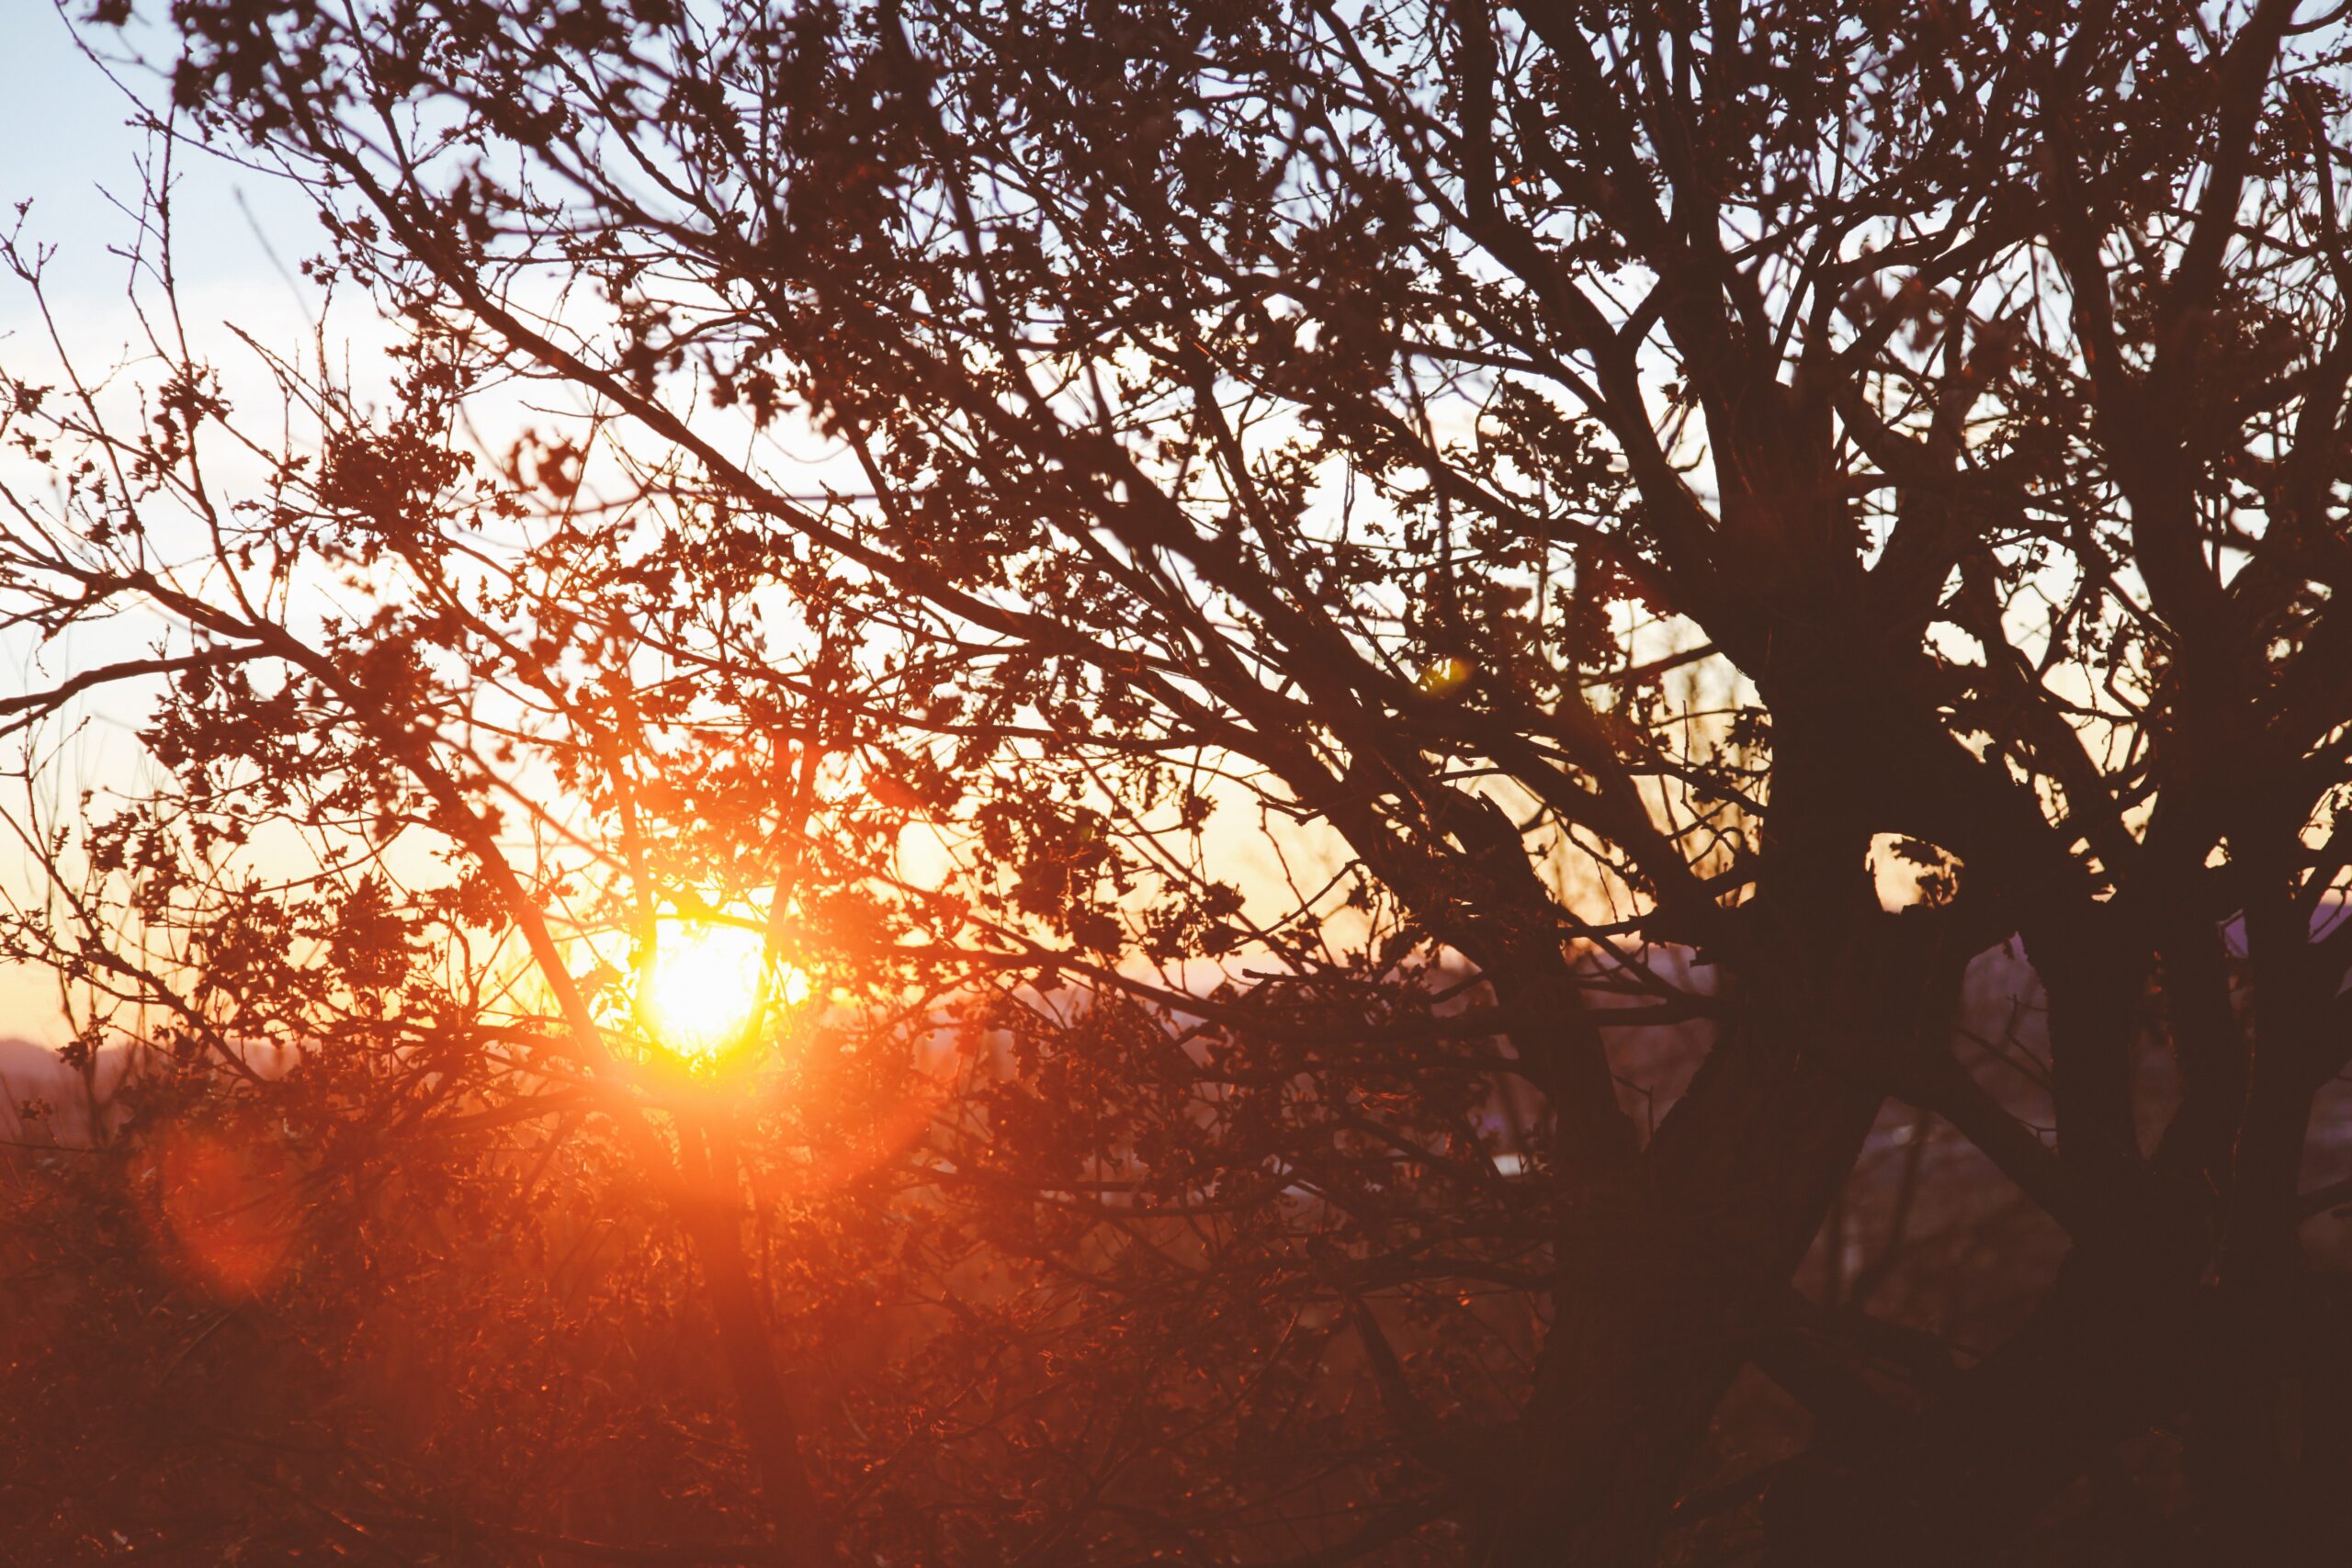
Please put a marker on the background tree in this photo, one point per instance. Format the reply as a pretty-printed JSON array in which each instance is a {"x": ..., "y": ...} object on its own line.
[{"x": 1565, "y": 482}]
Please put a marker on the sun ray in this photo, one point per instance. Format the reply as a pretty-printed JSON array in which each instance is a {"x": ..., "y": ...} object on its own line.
[{"x": 703, "y": 990}]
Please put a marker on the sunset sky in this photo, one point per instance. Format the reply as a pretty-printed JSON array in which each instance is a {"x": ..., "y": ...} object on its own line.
[{"x": 65, "y": 126}]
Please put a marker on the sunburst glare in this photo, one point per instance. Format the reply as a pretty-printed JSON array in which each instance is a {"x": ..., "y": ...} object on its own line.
[{"x": 703, "y": 988}]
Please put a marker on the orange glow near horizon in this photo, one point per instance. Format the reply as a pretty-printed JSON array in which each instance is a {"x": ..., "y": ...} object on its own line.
[{"x": 704, "y": 988}]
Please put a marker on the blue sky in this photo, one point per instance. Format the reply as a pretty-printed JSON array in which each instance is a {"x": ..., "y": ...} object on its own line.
[
  {"x": 61, "y": 121},
  {"x": 65, "y": 141}
]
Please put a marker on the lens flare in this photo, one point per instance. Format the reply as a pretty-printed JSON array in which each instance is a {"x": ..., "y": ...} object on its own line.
[
  {"x": 225, "y": 1200},
  {"x": 704, "y": 988},
  {"x": 1447, "y": 677}
]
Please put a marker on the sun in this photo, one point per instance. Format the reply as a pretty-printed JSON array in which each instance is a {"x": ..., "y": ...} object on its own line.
[{"x": 704, "y": 988}]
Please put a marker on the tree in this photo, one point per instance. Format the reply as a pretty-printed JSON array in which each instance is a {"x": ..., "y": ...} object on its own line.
[{"x": 1565, "y": 482}]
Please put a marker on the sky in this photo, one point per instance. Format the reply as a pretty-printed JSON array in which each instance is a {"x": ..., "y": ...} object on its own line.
[
  {"x": 66, "y": 142},
  {"x": 62, "y": 125},
  {"x": 71, "y": 140}
]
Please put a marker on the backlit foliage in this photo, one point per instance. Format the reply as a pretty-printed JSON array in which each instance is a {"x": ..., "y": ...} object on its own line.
[{"x": 1283, "y": 607}]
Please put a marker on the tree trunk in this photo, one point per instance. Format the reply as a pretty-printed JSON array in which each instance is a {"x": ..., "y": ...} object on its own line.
[
  {"x": 1658, "y": 1302},
  {"x": 1668, "y": 1275},
  {"x": 711, "y": 1211}
]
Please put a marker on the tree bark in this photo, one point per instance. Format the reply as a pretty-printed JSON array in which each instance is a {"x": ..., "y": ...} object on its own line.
[
  {"x": 1668, "y": 1275},
  {"x": 713, "y": 1220}
]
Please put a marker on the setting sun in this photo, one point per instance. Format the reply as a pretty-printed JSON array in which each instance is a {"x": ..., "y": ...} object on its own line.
[{"x": 704, "y": 986}]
